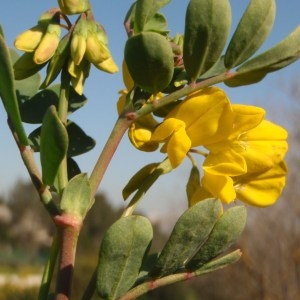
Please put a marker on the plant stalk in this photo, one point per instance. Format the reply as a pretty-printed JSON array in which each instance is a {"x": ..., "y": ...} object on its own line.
[
  {"x": 107, "y": 153},
  {"x": 69, "y": 227}
]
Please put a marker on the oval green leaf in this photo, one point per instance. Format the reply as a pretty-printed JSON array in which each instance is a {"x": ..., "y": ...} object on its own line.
[
  {"x": 252, "y": 30},
  {"x": 189, "y": 233},
  {"x": 8, "y": 92},
  {"x": 275, "y": 58},
  {"x": 207, "y": 26},
  {"x": 53, "y": 145},
  {"x": 79, "y": 142},
  {"x": 138, "y": 179},
  {"x": 33, "y": 109},
  {"x": 121, "y": 255},
  {"x": 76, "y": 198},
  {"x": 226, "y": 231},
  {"x": 193, "y": 182},
  {"x": 145, "y": 11}
]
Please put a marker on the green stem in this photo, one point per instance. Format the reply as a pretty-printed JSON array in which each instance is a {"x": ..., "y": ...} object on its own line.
[
  {"x": 49, "y": 268},
  {"x": 211, "y": 266},
  {"x": 69, "y": 227},
  {"x": 63, "y": 104},
  {"x": 36, "y": 178},
  {"x": 151, "y": 285},
  {"x": 107, "y": 153},
  {"x": 152, "y": 106}
]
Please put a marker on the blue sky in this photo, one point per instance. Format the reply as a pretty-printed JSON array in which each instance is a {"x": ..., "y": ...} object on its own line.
[{"x": 99, "y": 115}]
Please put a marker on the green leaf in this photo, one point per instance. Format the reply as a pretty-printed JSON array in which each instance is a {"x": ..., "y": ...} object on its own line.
[
  {"x": 33, "y": 110},
  {"x": 27, "y": 87},
  {"x": 122, "y": 251},
  {"x": 226, "y": 231},
  {"x": 157, "y": 23},
  {"x": 217, "y": 69},
  {"x": 275, "y": 58},
  {"x": 144, "y": 12},
  {"x": 76, "y": 198},
  {"x": 252, "y": 30},
  {"x": 137, "y": 179},
  {"x": 73, "y": 168},
  {"x": 193, "y": 182},
  {"x": 25, "y": 67},
  {"x": 1, "y": 31},
  {"x": 53, "y": 145},
  {"x": 79, "y": 142},
  {"x": 146, "y": 176},
  {"x": 189, "y": 233},
  {"x": 207, "y": 26},
  {"x": 219, "y": 263},
  {"x": 8, "y": 93}
]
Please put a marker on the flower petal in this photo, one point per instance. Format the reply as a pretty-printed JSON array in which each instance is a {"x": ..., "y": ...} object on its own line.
[
  {"x": 262, "y": 189},
  {"x": 220, "y": 186},
  {"x": 227, "y": 163},
  {"x": 246, "y": 117},
  {"x": 166, "y": 128},
  {"x": 178, "y": 146},
  {"x": 207, "y": 115}
]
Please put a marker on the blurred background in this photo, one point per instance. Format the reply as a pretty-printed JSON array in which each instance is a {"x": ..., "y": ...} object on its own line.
[{"x": 270, "y": 266}]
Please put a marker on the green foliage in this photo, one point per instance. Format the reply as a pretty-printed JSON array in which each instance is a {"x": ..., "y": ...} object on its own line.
[
  {"x": 207, "y": 25},
  {"x": 76, "y": 198},
  {"x": 275, "y": 58},
  {"x": 53, "y": 145},
  {"x": 252, "y": 31},
  {"x": 8, "y": 93},
  {"x": 225, "y": 232},
  {"x": 121, "y": 255},
  {"x": 190, "y": 232},
  {"x": 193, "y": 182},
  {"x": 156, "y": 62},
  {"x": 34, "y": 108},
  {"x": 145, "y": 11},
  {"x": 149, "y": 58}
]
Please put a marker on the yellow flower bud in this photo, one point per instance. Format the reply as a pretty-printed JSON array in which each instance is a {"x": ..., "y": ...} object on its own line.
[
  {"x": 108, "y": 66},
  {"x": 96, "y": 51},
  {"x": 30, "y": 39},
  {"x": 78, "y": 74},
  {"x": 70, "y": 7},
  {"x": 78, "y": 48},
  {"x": 48, "y": 44}
]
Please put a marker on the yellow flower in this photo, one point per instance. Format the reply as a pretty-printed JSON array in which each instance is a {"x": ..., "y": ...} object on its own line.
[
  {"x": 204, "y": 117},
  {"x": 252, "y": 155}
]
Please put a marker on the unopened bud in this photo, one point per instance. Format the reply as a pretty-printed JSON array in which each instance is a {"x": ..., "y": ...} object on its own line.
[
  {"x": 48, "y": 44},
  {"x": 78, "y": 74},
  {"x": 96, "y": 51},
  {"x": 30, "y": 39},
  {"x": 108, "y": 66},
  {"x": 78, "y": 48},
  {"x": 70, "y": 7}
]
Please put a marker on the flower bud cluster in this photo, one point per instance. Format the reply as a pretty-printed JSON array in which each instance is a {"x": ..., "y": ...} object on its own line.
[
  {"x": 43, "y": 38},
  {"x": 89, "y": 45},
  {"x": 71, "y": 7},
  {"x": 85, "y": 43}
]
